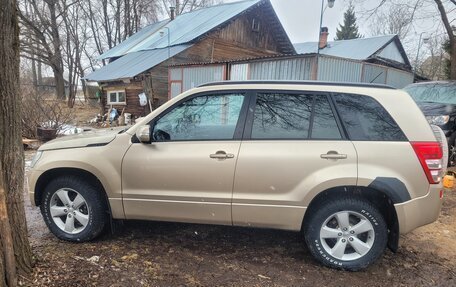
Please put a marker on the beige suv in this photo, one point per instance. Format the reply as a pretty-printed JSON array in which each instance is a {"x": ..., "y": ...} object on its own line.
[{"x": 351, "y": 166}]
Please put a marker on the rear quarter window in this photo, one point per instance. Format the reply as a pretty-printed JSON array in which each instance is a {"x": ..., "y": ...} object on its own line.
[{"x": 366, "y": 120}]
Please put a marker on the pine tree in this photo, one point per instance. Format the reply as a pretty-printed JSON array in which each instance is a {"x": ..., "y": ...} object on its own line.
[{"x": 349, "y": 30}]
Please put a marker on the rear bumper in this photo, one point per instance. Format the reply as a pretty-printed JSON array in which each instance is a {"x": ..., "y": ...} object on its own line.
[{"x": 419, "y": 211}]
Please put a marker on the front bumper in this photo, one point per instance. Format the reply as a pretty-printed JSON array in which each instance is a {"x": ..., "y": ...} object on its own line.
[
  {"x": 32, "y": 179},
  {"x": 419, "y": 211}
]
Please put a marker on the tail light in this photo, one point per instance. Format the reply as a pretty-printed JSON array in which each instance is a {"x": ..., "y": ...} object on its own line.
[{"x": 431, "y": 158}]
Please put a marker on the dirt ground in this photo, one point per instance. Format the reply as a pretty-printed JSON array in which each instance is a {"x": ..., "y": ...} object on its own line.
[{"x": 172, "y": 254}]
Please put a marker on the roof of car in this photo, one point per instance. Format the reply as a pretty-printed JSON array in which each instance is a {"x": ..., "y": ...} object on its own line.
[
  {"x": 433, "y": 83},
  {"x": 320, "y": 83}
]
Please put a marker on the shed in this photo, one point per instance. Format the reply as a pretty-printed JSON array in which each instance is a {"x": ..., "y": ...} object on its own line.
[
  {"x": 224, "y": 32},
  {"x": 380, "y": 60}
]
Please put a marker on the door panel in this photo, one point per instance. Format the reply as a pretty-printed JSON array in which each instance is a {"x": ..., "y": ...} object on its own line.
[
  {"x": 179, "y": 181},
  {"x": 187, "y": 172},
  {"x": 293, "y": 150},
  {"x": 275, "y": 179}
]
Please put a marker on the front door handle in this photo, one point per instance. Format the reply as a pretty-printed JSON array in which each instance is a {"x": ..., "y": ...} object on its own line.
[
  {"x": 333, "y": 155},
  {"x": 221, "y": 155}
]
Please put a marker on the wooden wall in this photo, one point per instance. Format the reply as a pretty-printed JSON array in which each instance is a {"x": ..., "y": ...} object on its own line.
[{"x": 132, "y": 90}]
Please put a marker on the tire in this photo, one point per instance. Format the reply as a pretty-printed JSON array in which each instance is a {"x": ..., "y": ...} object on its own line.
[
  {"x": 325, "y": 233},
  {"x": 73, "y": 209},
  {"x": 452, "y": 150}
]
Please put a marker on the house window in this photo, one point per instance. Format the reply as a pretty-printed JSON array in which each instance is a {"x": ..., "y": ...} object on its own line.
[
  {"x": 116, "y": 97},
  {"x": 255, "y": 25}
]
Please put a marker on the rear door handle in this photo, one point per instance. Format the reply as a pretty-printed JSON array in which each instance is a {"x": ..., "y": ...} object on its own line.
[
  {"x": 221, "y": 155},
  {"x": 333, "y": 155}
]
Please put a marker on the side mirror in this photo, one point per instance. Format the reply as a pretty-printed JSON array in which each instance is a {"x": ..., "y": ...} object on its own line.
[{"x": 143, "y": 134}]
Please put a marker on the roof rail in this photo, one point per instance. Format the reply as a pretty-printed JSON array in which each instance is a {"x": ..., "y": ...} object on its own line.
[{"x": 320, "y": 83}]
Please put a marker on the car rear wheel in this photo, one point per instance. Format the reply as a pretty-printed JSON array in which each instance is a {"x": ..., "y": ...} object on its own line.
[
  {"x": 73, "y": 209},
  {"x": 348, "y": 234},
  {"x": 452, "y": 150}
]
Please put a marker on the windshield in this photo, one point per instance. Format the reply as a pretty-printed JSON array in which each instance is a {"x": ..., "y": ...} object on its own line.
[{"x": 444, "y": 93}]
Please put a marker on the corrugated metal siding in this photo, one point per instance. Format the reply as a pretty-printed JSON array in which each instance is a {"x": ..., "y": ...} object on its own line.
[
  {"x": 290, "y": 69},
  {"x": 339, "y": 70},
  {"x": 176, "y": 89},
  {"x": 195, "y": 76},
  {"x": 398, "y": 79},
  {"x": 175, "y": 74},
  {"x": 374, "y": 74},
  {"x": 239, "y": 72}
]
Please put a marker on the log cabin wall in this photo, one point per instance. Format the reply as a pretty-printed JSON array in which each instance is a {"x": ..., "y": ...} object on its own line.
[{"x": 132, "y": 106}]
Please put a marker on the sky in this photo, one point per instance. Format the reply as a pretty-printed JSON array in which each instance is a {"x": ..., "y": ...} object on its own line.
[{"x": 300, "y": 18}]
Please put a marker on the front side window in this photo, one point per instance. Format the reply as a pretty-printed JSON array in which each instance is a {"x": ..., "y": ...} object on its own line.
[
  {"x": 116, "y": 97},
  {"x": 208, "y": 117},
  {"x": 366, "y": 120}
]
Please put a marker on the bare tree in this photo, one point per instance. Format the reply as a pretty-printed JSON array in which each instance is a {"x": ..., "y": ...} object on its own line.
[
  {"x": 41, "y": 38},
  {"x": 431, "y": 63},
  {"x": 183, "y": 6},
  {"x": 393, "y": 20},
  {"x": 417, "y": 10},
  {"x": 15, "y": 253},
  {"x": 451, "y": 35}
]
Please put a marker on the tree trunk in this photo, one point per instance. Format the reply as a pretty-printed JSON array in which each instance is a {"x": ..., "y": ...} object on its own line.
[
  {"x": 2, "y": 267},
  {"x": 14, "y": 239},
  {"x": 39, "y": 79},
  {"x": 7, "y": 240},
  {"x": 59, "y": 83},
  {"x": 451, "y": 37},
  {"x": 453, "y": 60},
  {"x": 57, "y": 62},
  {"x": 34, "y": 74}
]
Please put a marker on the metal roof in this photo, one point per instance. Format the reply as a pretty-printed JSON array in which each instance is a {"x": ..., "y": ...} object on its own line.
[
  {"x": 133, "y": 40},
  {"x": 357, "y": 49},
  {"x": 183, "y": 29},
  {"x": 133, "y": 64}
]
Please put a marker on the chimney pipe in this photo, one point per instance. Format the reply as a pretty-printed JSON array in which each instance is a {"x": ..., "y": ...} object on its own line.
[
  {"x": 323, "y": 42},
  {"x": 172, "y": 10}
]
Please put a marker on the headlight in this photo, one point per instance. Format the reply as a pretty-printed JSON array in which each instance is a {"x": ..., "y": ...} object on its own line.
[
  {"x": 36, "y": 158},
  {"x": 438, "y": 120}
]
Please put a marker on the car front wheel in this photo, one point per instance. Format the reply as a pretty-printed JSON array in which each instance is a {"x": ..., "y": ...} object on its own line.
[
  {"x": 73, "y": 209},
  {"x": 348, "y": 234}
]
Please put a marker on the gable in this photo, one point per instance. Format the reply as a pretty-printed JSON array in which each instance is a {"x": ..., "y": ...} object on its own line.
[{"x": 391, "y": 52}]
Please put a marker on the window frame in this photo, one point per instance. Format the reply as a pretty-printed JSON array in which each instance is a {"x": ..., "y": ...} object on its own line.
[
  {"x": 252, "y": 106},
  {"x": 117, "y": 97},
  {"x": 240, "y": 125}
]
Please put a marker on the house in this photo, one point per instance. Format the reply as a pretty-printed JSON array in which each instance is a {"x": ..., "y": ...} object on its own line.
[
  {"x": 380, "y": 60},
  {"x": 47, "y": 84},
  {"x": 244, "y": 29}
]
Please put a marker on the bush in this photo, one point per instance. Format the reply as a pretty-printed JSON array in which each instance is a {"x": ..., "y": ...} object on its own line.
[{"x": 41, "y": 109}]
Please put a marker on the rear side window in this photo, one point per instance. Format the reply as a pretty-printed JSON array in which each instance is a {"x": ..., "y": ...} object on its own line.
[
  {"x": 293, "y": 116},
  {"x": 324, "y": 123},
  {"x": 282, "y": 116},
  {"x": 366, "y": 120}
]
